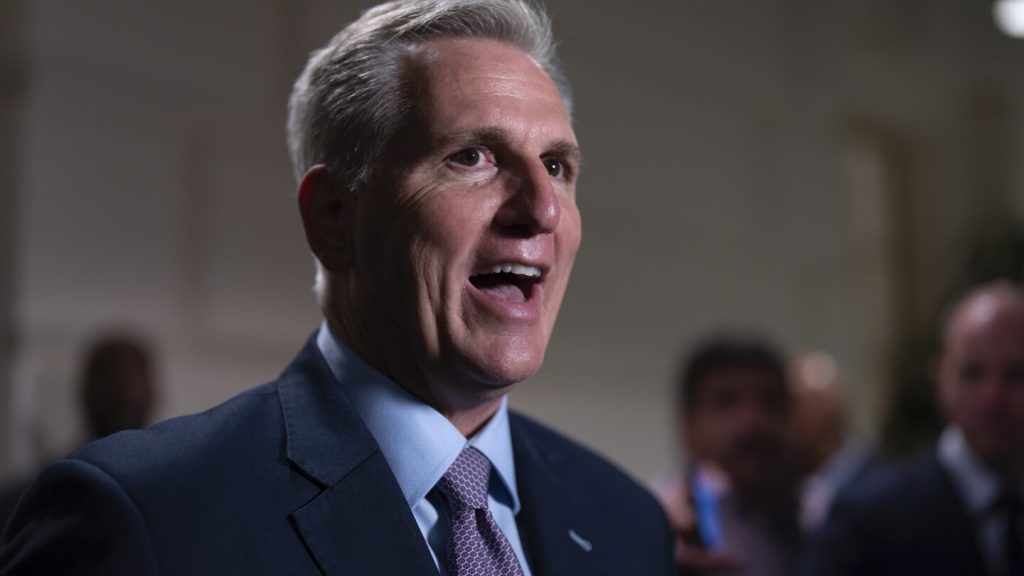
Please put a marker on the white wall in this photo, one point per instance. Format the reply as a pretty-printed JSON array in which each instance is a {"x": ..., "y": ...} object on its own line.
[
  {"x": 158, "y": 198},
  {"x": 156, "y": 192}
]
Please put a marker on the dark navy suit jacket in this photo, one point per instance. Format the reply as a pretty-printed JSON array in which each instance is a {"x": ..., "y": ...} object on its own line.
[
  {"x": 904, "y": 522},
  {"x": 286, "y": 479}
]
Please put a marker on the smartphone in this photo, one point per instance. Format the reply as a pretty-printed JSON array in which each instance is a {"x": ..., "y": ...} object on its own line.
[{"x": 705, "y": 506}]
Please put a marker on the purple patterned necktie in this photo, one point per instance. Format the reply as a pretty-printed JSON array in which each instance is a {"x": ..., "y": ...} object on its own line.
[{"x": 477, "y": 546}]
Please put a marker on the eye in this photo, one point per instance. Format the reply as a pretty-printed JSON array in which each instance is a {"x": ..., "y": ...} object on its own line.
[
  {"x": 470, "y": 157},
  {"x": 555, "y": 167}
]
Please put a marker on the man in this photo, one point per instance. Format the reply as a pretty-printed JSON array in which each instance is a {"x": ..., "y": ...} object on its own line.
[
  {"x": 437, "y": 171},
  {"x": 735, "y": 512},
  {"x": 118, "y": 388},
  {"x": 956, "y": 510},
  {"x": 827, "y": 455}
]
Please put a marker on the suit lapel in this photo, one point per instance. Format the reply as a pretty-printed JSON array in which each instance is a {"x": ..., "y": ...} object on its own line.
[
  {"x": 560, "y": 536},
  {"x": 360, "y": 524}
]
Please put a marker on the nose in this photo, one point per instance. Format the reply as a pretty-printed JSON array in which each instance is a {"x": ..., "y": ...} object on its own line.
[
  {"x": 532, "y": 205},
  {"x": 754, "y": 418}
]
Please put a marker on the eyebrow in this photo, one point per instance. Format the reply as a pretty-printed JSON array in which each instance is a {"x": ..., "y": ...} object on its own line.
[
  {"x": 567, "y": 149},
  {"x": 563, "y": 148}
]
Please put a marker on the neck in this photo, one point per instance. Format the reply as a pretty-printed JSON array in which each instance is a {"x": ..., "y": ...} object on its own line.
[
  {"x": 470, "y": 421},
  {"x": 468, "y": 410}
]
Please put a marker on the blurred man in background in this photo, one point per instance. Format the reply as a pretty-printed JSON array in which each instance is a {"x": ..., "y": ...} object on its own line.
[
  {"x": 955, "y": 510},
  {"x": 117, "y": 391},
  {"x": 828, "y": 456},
  {"x": 735, "y": 508}
]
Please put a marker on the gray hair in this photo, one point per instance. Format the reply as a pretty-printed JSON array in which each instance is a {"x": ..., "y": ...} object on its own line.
[{"x": 349, "y": 100}]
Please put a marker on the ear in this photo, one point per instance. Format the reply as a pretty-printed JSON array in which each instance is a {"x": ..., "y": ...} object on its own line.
[{"x": 324, "y": 208}]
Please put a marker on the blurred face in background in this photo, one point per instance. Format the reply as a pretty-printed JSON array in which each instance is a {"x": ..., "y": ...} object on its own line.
[
  {"x": 739, "y": 420},
  {"x": 817, "y": 429},
  {"x": 118, "y": 388},
  {"x": 980, "y": 377},
  {"x": 818, "y": 409}
]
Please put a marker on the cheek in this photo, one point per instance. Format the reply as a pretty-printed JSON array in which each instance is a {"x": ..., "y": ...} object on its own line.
[
  {"x": 947, "y": 392},
  {"x": 571, "y": 233},
  {"x": 708, "y": 431},
  {"x": 443, "y": 249},
  {"x": 567, "y": 243}
]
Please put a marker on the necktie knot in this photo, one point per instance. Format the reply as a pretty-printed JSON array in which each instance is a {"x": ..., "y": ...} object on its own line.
[
  {"x": 477, "y": 546},
  {"x": 466, "y": 482}
]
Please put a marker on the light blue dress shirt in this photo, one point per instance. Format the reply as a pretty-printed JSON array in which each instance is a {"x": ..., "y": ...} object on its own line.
[
  {"x": 979, "y": 487},
  {"x": 420, "y": 444}
]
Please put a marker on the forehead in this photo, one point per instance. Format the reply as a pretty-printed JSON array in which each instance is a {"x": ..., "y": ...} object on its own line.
[
  {"x": 987, "y": 322},
  {"x": 747, "y": 378},
  {"x": 470, "y": 80}
]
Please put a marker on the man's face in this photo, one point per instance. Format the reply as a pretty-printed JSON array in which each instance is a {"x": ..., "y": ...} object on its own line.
[
  {"x": 739, "y": 421},
  {"x": 467, "y": 234},
  {"x": 981, "y": 379}
]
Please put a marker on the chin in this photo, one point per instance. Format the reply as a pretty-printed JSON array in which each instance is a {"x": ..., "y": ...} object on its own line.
[{"x": 503, "y": 366}]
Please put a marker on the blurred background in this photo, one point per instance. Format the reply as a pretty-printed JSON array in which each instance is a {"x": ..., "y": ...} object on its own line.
[{"x": 826, "y": 172}]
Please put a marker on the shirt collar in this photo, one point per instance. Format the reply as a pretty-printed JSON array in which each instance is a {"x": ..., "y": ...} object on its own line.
[
  {"x": 843, "y": 464},
  {"x": 495, "y": 441},
  {"x": 978, "y": 485},
  {"x": 418, "y": 442}
]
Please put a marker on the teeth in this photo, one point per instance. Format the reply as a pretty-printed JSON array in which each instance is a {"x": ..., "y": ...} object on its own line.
[{"x": 532, "y": 271}]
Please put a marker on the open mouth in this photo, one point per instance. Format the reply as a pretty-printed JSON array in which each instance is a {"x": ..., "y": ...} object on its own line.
[{"x": 510, "y": 282}]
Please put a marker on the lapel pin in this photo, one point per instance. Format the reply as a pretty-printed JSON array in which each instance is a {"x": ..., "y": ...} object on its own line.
[{"x": 583, "y": 542}]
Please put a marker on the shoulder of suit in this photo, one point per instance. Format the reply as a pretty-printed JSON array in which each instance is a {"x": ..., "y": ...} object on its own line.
[
  {"x": 894, "y": 488},
  {"x": 230, "y": 430}
]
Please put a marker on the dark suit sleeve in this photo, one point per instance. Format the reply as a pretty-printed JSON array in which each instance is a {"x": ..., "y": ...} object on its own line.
[{"x": 75, "y": 519}]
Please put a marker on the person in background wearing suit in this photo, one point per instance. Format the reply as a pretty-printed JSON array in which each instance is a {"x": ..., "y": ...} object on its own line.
[
  {"x": 437, "y": 168},
  {"x": 955, "y": 510},
  {"x": 827, "y": 454},
  {"x": 734, "y": 508},
  {"x": 117, "y": 391}
]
